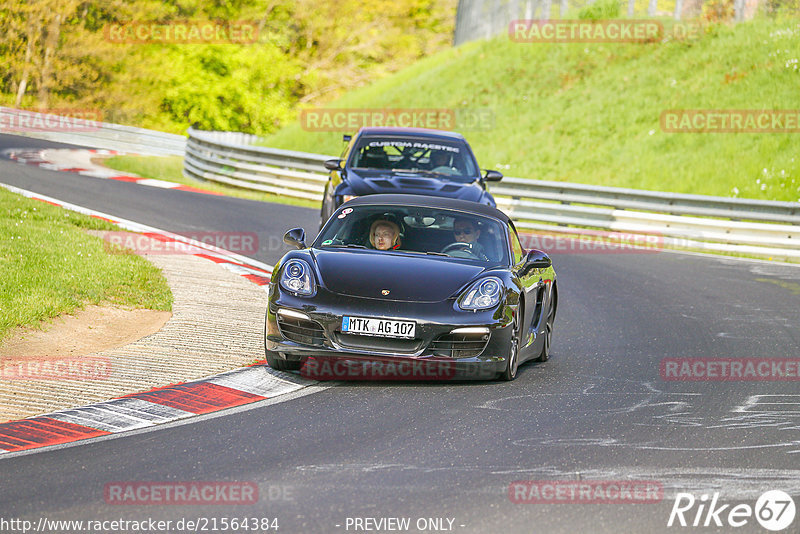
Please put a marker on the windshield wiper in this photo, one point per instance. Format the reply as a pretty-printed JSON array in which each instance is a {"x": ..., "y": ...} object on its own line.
[
  {"x": 416, "y": 171},
  {"x": 352, "y": 245},
  {"x": 437, "y": 254},
  {"x": 447, "y": 176}
]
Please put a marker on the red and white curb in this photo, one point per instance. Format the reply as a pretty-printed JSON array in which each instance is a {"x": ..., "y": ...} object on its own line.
[
  {"x": 79, "y": 160},
  {"x": 149, "y": 408},
  {"x": 161, "y": 405}
]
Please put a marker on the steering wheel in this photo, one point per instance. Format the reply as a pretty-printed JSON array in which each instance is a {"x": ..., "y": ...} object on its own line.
[
  {"x": 460, "y": 245},
  {"x": 444, "y": 169}
]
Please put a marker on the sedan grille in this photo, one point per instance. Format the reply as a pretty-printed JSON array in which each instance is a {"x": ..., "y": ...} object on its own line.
[
  {"x": 378, "y": 344},
  {"x": 304, "y": 331},
  {"x": 466, "y": 345}
]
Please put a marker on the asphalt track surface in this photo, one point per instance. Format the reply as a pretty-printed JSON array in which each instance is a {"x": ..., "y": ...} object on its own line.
[{"x": 598, "y": 409}]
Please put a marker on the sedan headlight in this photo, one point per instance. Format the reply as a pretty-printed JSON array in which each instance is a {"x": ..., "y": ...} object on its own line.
[
  {"x": 484, "y": 293},
  {"x": 297, "y": 277}
]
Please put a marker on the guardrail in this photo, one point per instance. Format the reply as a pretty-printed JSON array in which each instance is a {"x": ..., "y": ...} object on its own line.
[
  {"x": 754, "y": 227},
  {"x": 89, "y": 133},
  {"x": 231, "y": 158},
  {"x": 722, "y": 224}
]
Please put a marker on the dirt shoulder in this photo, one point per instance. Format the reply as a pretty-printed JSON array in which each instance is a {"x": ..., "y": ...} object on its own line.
[{"x": 90, "y": 330}]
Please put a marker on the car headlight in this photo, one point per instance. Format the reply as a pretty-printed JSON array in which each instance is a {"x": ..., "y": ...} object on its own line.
[
  {"x": 297, "y": 278},
  {"x": 483, "y": 294}
]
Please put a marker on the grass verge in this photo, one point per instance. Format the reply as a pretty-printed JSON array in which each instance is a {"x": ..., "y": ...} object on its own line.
[
  {"x": 51, "y": 266},
  {"x": 590, "y": 112},
  {"x": 170, "y": 168}
]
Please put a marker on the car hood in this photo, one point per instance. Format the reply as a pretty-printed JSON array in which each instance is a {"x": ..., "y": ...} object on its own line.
[
  {"x": 372, "y": 182},
  {"x": 366, "y": 273}
]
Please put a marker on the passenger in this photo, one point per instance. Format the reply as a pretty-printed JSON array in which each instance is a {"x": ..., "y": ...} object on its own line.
[
  {"x": 467, "y": 232},
  {"x": 384, "y": 235}
]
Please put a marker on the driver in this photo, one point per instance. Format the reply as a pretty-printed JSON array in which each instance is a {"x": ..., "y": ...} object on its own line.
[
  {"x": 384, "y": 235},
  {"x": 440, "y": 162},
  {"x": 467, "y": 232}
]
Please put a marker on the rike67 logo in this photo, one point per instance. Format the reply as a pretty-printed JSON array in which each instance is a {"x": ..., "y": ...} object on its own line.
[{"x": 774, "y": 511}]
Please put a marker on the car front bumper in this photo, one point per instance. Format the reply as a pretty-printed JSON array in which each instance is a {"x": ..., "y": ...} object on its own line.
[{"x": 449, "y": 343}]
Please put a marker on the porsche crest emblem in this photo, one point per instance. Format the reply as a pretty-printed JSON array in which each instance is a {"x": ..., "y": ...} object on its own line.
[{"x": 384, "y": 292}]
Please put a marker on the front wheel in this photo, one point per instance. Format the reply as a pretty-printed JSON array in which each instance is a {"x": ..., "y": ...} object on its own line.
[
  {"x": 327, "y": 208},
  {"x": 548, "y": 334},
  {"x": 512, "y": 364},
  {"x": 323, "y": 215}
]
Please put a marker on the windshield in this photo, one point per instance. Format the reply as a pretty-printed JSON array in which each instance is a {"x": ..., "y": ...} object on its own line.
[
  {"x": 417, "y": 230},
  {"x": 445, "y": 158}
]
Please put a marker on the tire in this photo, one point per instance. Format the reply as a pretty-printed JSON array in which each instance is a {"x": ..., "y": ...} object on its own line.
[
  {"x": 281, "y": 364},
  {"x": 275, "y": 361},
  {"x": 325, "y": 210},
  {"x": 322, "y": 218},
  {"x": 548, "y": 333},
  {"x": 512, "y": 365}
]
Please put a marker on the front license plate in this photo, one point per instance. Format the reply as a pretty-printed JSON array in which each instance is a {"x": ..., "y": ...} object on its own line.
[{"x": 378, "y": 327}]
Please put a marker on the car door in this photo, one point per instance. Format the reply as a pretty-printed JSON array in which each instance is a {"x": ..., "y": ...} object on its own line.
[{"x": 530, "y": 279}]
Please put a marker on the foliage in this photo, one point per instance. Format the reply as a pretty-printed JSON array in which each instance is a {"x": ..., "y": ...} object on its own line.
[
  {"x": 601, "y": 10},
  {"x": 58, "y": 55},
  {"x": 718, "y": 11},
  {"x": 782, "y": 8}
]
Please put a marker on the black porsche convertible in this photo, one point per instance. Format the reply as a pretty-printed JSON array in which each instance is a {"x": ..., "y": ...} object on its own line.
[{"x": 416, "y": 283}]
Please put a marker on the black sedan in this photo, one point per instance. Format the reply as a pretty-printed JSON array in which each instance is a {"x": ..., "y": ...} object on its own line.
[
  {"x": 408, "y": 161},
  {"x": 415, "y": 283}
]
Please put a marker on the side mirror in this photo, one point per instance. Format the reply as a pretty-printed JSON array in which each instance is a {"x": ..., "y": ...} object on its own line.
[
  {"x": 493, "y": 176},
  {"x": 346, "y": 138},
  {"x": 536, "y": 259},
  {"x": 333, "y": 164},
  {"x": 295, "y": 237}
]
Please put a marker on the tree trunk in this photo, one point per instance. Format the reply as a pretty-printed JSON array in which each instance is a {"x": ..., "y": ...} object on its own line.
[
  {"x": 738, "y": 6},
  {"x": 51, "y": 43},
  {"x": 26, "y": 70},
  {"x": 546, "y": 9},
  {"x": 678, "y": 9}
]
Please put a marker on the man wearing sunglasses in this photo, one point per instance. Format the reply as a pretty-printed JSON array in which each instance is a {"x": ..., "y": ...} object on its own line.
[{"x": 467, "y": 232}]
